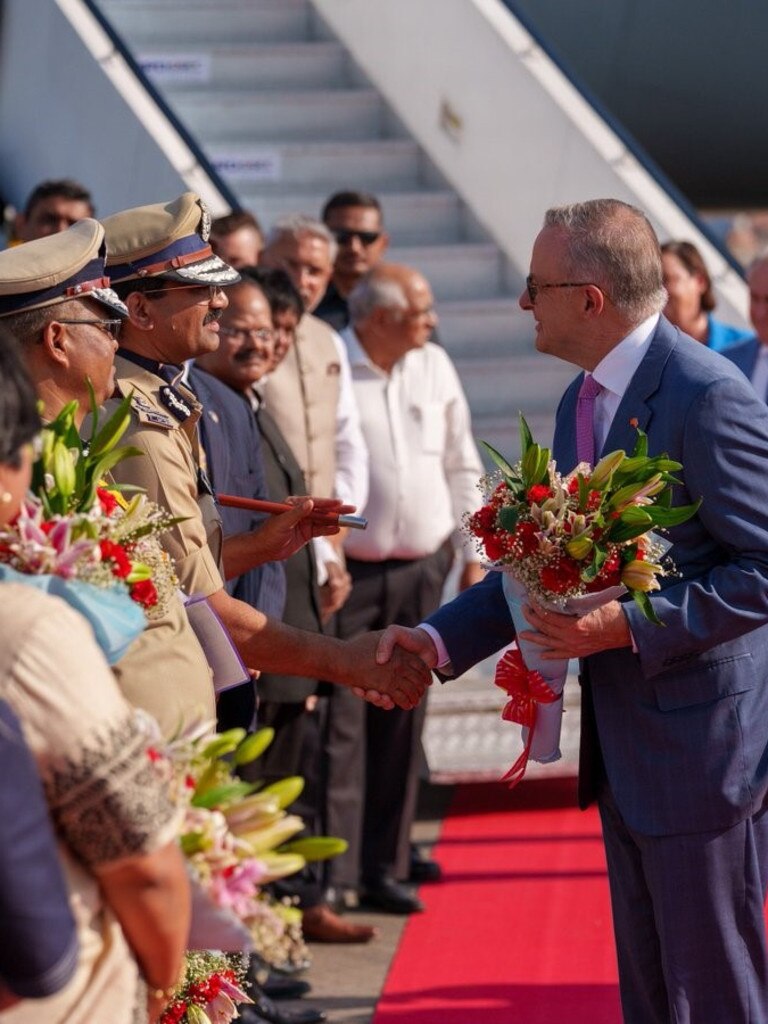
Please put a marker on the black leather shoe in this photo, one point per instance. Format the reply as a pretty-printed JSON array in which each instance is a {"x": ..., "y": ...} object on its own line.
[
  {"x": 277, "y": 986},
  {"x": 423, "y": 869},
  {"x": 390, "y": 896},
  {"x": 263, "y": 1009},
  {"x": 261, "y": 977}
]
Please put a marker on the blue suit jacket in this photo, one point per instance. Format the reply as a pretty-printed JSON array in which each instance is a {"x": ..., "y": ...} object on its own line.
[
  {"x": 682, "y": 726},
  {"x": 744, "y": 355}
]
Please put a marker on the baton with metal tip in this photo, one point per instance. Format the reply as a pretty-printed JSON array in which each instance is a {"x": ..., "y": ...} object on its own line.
[{"x": 275, "y": 508}]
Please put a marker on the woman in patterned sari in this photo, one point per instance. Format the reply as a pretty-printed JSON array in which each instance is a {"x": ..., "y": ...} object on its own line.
[{"x": 103, "y": 782}]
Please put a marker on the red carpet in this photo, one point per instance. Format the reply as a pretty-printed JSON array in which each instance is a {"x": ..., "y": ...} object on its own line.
[{"x": 520, "y": 930}]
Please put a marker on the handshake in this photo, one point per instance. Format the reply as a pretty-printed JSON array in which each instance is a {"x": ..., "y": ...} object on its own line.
[{"x": 391, "y": 668}]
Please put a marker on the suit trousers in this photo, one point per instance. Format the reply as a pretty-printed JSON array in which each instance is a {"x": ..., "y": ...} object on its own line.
[
  {"x": 375, "y": 758},
  {"x": 689, "y": 921}
]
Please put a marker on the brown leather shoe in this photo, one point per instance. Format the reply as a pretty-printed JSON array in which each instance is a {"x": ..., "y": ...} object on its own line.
[{"x": 321, "y": 924}]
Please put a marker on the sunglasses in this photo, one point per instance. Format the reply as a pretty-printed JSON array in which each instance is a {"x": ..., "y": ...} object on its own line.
[
  {"x": 534, "y": 289},
  {"x": 208, "y": 292},
  {"x": 110, "y": 327},
  {"x": 344, "y": 236}
]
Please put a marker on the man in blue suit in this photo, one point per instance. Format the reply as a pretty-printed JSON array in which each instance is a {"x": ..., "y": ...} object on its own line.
[
  {"x": 674, "y": 743},
  {"x": 751, "y": 356}
]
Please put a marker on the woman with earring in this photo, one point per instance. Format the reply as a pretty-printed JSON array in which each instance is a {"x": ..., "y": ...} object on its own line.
[{"x": 104, "y": 784}]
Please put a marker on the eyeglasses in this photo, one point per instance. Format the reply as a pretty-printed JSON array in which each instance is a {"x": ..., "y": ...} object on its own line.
[
  {"x": 344, "y": 236},
  {"x": 534, "y": 289},
  {"x": 110, "y": 327},
  {"x": 210, "y": 291},
  {"x": 248, "y": 334}
]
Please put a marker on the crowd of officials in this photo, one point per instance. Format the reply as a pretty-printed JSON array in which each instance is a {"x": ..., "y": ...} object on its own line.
[{"x": 293, "y": 366}]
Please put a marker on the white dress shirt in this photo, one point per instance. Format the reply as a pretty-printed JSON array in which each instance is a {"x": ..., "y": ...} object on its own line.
[{"x": 424, "y": 465}]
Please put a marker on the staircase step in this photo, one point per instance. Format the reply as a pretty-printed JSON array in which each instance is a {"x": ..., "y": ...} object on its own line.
[
  {"x": 462, "y": 270},
  {"x": 482, "y": 327},
  {"x": 305, "y": 115},
  {"x": 504, "y": 386},
  {"x": 208, "y": 22},
  {"x": 312, "y": 65},
  {"x": 395, "y": 163},
  {"x": 425, "y": 218}
]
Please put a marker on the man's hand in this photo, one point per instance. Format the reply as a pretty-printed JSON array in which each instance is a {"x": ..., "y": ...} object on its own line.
[
  {"x": 280, "y": 536},
  {"x": 402, "y": 680},
  {"x": 565, "y": 636},
  {"x": 394, "y": 641},
  {"x": 335, "y": 591}
]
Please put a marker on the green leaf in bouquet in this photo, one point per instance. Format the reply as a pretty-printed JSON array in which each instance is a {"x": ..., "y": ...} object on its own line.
[
  {"x": 498, "y": 459},
  {"x": 253, "y": 746},
  {"x": 641, "y": 445},
  {"x": 643, "y": 602},
  {"x": 529, "y": 466},
  {"x": 139, "y": 572},
  {"x": 508, "y": 517},
  {"x": 286, "y": 790},
  {"x": 117, "y": 424},
  {"x": 63, "y": 470},
  {"x": 526, "y": 438},
  {"x": 219, "y": 796},
  {"x": 224, "y": 743},
  {"x": 316, "y": 848},
  {"x": 542, "y": 466},
  {"x": 192, "y": 843},
  {"x": 583, "y": 492},
  {"x": 661, "y": 516}
]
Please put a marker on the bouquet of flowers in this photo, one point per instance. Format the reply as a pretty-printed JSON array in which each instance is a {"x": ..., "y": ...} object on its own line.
[
  {"x": 237, "y": 837},
  {"x": 212, "y": 986},
  {"x": 573, "y": 543},
  {"x": 78, "y": 529}
]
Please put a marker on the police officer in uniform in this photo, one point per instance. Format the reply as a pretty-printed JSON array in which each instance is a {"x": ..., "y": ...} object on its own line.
[{"x": 174, "y": 288}]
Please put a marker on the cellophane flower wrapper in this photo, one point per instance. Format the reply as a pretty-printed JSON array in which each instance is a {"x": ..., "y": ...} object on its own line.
[{"x": 545, "y": 744}]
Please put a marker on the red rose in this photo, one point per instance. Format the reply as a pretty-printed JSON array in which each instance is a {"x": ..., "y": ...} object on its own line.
[
  {"x": 561, "y": 578},
  {"x": 114, "y": 553},
  {"x": 483, "y": 521},
  {"x": 144, "y": 593},
  {"x": 107, "y": 500},
  {"x": 609, "y": 575},
  {"x": 573, "y": 486},
  {"x": 493, "y": 547},
  {"x": 539, "y": 493}
]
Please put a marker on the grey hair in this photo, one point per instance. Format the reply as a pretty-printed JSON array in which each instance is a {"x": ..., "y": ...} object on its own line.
[
  {"x": 296, "y": 225},
  {"x": 375, "y": 292},
  {"x": 613, "y": 245}
]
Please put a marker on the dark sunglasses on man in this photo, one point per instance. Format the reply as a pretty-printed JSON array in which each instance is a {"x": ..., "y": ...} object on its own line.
[{"x": 346, "y": 235}]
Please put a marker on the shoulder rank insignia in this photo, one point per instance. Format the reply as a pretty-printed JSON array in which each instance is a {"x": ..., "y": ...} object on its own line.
[{"x": 175, "y": 403}]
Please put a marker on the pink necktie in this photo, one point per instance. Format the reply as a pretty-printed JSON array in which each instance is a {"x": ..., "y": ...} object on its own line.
[{"x": 585, "y": 412}]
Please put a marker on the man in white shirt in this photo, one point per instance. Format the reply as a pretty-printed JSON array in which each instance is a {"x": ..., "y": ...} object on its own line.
[
  {"x": 424, "y": 470},
  {"x": 751, "y": 356}
]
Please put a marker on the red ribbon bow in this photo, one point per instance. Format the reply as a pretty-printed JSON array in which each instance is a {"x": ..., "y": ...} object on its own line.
[{"x": 526, "y": 689}]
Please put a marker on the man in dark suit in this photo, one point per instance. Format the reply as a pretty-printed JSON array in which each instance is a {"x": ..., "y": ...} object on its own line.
[
  {"x": 674, "y": 739},
  {"x": 224, "y": 381},
  {"x": 751, "y": 356}
]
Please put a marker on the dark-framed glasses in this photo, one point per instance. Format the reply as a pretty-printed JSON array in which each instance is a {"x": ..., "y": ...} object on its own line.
[
  {"x": 261, "y": 334},
  {"x": 207, "y": 292},
  {"x": 346, "y": 235},
  {"x": 533, "y": 288},
  {"x": 110, "y": 327}
]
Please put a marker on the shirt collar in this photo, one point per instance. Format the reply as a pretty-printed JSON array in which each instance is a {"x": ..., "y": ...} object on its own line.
[{"x": 617, "y": 368}]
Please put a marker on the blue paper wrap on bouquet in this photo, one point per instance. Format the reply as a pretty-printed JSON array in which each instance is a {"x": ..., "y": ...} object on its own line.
[
  {"x": 116, "y": 620},
  {"x": 545, "y": 745}
]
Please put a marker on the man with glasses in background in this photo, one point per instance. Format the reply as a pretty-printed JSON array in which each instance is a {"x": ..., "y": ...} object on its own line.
[{"x": 355, "y": 221}]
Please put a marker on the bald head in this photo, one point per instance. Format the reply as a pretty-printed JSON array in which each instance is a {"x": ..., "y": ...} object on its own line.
[{"x": 392, "y": 312}]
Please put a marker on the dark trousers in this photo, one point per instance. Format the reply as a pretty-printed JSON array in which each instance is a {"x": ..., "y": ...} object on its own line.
[
  {"x": 689, "y": 924},
  {"x": 374, "y": 758},
  {"x": 295, "y": 750}
]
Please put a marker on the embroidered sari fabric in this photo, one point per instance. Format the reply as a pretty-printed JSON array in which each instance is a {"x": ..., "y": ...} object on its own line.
[{"x": 105, "y": 794}]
